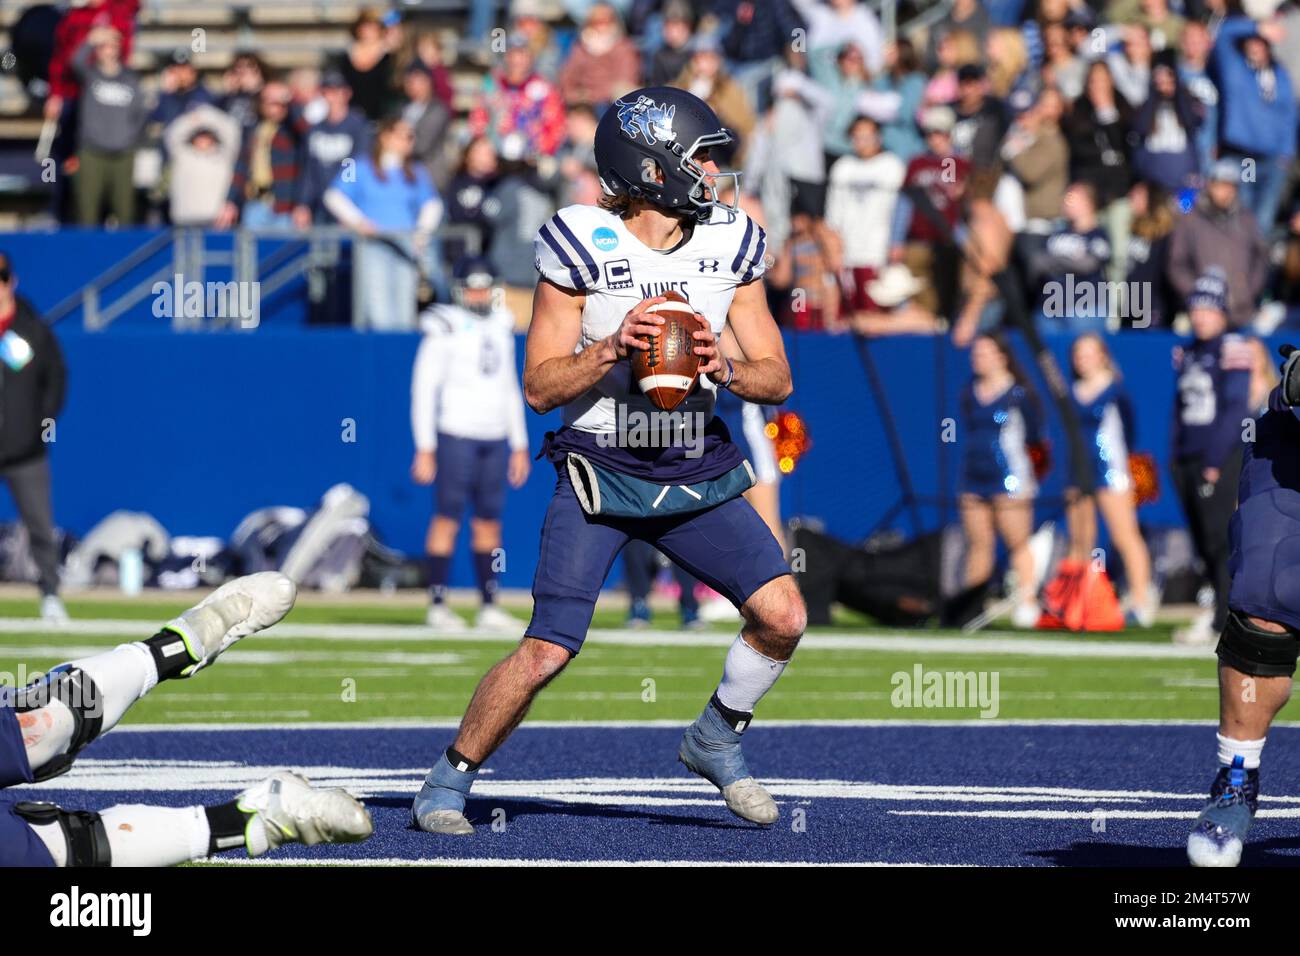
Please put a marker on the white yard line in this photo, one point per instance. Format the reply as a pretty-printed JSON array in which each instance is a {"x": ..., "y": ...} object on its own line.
[
  {"x": 984, "y": 644},
  {"x": 451, "y": 723}
]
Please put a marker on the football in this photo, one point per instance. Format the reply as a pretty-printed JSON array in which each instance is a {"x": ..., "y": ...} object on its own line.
[{"x": 667, "y": 371}]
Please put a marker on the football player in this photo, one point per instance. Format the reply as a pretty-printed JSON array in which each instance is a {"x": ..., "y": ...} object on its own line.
[
  {"x": 467, "y": 418},
  {"x": 1211, "y": 404},
  {"x": 660, "y": 226},
  {"x": 44, "y": 726},
  {"x": 1261, "y": 639}
]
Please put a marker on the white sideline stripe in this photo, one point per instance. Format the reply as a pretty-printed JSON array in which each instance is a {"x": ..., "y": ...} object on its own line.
[
  {"x": 259, "y": 656},
  {"x": 495, "y": 862},
  {"x": 989, "y": 643},
  {"x": 192, "y": 775},
  {"x": 451, "y": 723},
  {"x": 1107, "y": 813}
]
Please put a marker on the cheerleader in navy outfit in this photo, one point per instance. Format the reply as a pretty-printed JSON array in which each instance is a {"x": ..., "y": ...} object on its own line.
[
  {"x": 1106, "y": 421},
  {"x": 1000, "y": 421}
]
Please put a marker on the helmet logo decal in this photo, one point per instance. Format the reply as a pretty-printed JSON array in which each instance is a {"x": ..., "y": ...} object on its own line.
[{"x": 647, "y": 119}]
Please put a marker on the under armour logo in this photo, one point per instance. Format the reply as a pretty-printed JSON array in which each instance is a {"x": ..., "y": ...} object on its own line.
[{"x": 708, "y": 265}]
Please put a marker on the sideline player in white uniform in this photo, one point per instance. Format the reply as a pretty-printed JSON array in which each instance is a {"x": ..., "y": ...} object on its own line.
[
  {"x": 603, "y": 270},
  {"x": 467, "y": 417}
]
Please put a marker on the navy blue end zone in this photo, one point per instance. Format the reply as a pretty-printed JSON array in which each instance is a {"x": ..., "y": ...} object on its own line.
[{"x": 993, "y": 794}]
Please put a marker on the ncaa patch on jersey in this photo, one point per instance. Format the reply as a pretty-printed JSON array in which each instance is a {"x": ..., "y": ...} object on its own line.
[
  {"x": 618, "y": 274},
  {"x": 604, "y": 239}
]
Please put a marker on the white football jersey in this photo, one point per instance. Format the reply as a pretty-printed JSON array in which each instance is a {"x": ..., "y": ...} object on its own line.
[
  {"x": 590, "y": 250},
  {"x": 464, "y": 382}
]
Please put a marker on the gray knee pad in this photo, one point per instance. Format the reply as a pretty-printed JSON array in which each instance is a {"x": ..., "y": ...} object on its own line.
[
  {"x": 75, "y": 690},
  {"x": 84, "y": 831},
  {"x": 1255, "y": 651}
]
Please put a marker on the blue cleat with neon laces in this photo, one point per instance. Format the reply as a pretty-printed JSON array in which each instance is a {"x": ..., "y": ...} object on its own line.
[{"x": 1221, "y": 829}]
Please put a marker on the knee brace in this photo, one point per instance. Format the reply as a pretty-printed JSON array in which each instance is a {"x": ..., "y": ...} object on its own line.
[
  {"x": 73, "y": 688},
  {"x": 1255, "y": 651},
  {"x": 82, "y": 829}
]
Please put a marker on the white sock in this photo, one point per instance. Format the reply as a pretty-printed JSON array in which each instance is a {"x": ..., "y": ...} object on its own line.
[
  {"x": 746, "y": 676},
  {"x": 156, "y": 836},
  {"x": 122, "y": 676},
  {"x": 1248, "y": 750}
]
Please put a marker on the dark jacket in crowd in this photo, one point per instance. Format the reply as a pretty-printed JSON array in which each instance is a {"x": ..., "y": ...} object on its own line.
[
  {"x": 1164, "y": 133},
  {"x": 172, "y": 105},
  {"x": 1148, "y": 265},
  {"x": 1099, "y": 151},
  {"x": 765, "y": 35},
  {"x": 978, "y": 134},
  {"x": 324, "y": 148},
  {"x": 33, "y": 379},
  {"x": 666, "y": 65}
]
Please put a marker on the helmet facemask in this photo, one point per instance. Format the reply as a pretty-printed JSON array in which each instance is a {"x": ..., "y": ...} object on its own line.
[{"x": 703, "y": 192}]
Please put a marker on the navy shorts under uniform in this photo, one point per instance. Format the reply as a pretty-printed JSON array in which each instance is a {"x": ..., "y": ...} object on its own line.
[
  {"x": 728, "y": 547},
  {"x": 471, "y": 470},
  {"x": 1265, "y": 530},
  {"x": 19, "y": 844}
]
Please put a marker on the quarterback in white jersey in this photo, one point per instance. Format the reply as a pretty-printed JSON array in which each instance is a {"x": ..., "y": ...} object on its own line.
[
  {"x": 467, "y": 419},
  {"x": 660, "y": 227},
  {"x": 589, "y": 250}
]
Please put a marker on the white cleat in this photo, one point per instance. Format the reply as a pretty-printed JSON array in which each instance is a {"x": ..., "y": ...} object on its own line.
[
  {"x": 232, "y": 612},
  {"x": 1025, "y": 616},
  {"x": 52, "y": 610},
  {"x": 444, "y": 620},
  {"x": 1205, "y": 851},
  {"x": 293, "y": 811},
  {"x": 496, "y": 621},
  {"x": 748, "y": 800},
  {"x": 718, "y": 611},
  {"x": 1145, "y": 611},
  {"x": 1200, "y": 633}
]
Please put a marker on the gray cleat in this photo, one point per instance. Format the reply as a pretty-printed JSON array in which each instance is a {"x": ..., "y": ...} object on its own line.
[{"x": 443, "y": 821}]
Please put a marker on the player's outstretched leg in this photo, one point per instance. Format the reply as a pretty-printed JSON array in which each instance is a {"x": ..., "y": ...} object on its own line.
[
  {"x": 1256, "y": 661},
  {"x": 499, "y": 704},
  {"x": 76, "y": 702},
  {"x": 774, "y": 622},
  {"x": 282, "y": 809}
]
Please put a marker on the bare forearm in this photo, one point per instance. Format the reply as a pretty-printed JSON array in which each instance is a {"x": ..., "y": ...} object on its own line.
[
  {"x": 765, "y": 382},
  {"x": 558, "y": 381}
]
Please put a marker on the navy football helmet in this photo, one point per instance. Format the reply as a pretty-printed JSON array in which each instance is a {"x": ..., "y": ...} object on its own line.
[
  {"x": 658, "y": 130},
  {"x": 473, "y": 284}
]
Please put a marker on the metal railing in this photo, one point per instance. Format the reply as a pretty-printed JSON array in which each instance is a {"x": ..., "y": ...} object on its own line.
[{"x": 187, "y": 252}]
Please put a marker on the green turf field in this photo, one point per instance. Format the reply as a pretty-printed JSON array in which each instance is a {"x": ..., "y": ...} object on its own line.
[{"x": 347, "y": 676}]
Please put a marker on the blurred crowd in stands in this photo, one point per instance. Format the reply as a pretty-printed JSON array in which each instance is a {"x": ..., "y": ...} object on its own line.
[{"x": 1079, "y": 165}]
